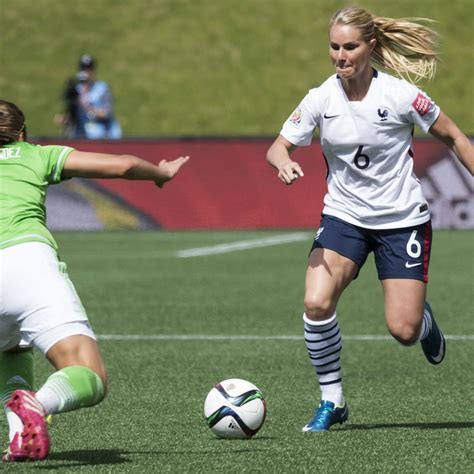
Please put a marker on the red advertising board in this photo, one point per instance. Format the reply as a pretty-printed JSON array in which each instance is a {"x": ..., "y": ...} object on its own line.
[{"x": 228, "y": 185}]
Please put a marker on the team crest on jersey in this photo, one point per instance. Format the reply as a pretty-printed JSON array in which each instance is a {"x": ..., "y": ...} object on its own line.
[
  {"x": 296, "y": 116},
  {"x": 383, "y": 114},
  {"x": 422, "y": 104}
]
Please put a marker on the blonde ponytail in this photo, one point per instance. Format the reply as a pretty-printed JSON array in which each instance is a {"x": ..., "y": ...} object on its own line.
[{"x": 404, "y": 46}]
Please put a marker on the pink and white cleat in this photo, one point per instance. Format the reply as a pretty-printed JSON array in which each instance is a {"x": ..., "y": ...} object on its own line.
[
  {"x": 32, "y": 444},
  {"x": 13, "y": 452}
]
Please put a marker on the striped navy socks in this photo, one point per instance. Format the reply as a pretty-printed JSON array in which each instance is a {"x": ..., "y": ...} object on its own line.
[
  {"x": 425, "y": 326},
  {"x": 323, "y": 341}
]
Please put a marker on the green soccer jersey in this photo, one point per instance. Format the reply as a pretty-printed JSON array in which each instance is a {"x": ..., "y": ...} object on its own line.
[{"x": 26, "y": 170}]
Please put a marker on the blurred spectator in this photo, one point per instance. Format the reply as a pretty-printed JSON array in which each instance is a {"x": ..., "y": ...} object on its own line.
[
  {"x": 95, "y": 114},
  {"x": 88, "y": 105},
  {"x": 67, "y": 119}
]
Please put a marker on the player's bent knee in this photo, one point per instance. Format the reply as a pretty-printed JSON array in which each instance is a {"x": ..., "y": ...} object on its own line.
[
  {"x": 406, "y": 335},
  {"x": 318, "y": 309},
  {"x": 78, "y": 350}
]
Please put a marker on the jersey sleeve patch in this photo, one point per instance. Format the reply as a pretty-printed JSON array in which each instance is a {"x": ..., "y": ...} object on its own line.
[
  {"x": 296, "y": 117},
  {"x": 422, "y": 104}
]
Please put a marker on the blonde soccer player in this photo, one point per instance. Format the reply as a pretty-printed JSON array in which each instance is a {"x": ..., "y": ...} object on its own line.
[{"x": 374, "y": 201}]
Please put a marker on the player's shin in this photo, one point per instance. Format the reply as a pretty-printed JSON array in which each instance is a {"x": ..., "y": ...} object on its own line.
[
  {"x": 323, "y": 341},
  {"x": 16, "y": 372},
  {"x": 71, "y": 388}
]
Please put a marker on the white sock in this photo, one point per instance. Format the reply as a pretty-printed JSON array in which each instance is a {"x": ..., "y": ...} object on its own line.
[{"x": 50, "y": 399}]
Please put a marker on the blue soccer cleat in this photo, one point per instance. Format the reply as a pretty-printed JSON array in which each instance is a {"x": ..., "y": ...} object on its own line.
[
  {"x": 326, "y": 415},
  {"x": 434, "y": 344}
]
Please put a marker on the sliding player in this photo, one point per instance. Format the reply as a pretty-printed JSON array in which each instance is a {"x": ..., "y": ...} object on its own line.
[
  {"x": 374, "y": 201},
  {"x": 38, "y": 304}
]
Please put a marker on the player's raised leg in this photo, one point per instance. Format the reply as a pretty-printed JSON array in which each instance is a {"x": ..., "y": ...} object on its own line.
[
  {"x": 327, "y": 275},
  {"x": 410, "y": 319}
]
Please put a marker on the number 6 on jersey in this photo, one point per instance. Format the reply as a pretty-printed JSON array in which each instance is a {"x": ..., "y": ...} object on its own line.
[{"x": 361, "y": 160}]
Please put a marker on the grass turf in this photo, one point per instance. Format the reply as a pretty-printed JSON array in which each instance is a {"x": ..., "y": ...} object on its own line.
[{"x": 406, "y": 416}]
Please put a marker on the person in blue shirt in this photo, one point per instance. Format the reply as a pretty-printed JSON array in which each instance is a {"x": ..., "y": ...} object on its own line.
[{"x": 95, "y": 117}]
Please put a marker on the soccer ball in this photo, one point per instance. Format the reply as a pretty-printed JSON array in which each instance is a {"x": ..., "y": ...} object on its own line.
[{"x": 235, "y": 408}]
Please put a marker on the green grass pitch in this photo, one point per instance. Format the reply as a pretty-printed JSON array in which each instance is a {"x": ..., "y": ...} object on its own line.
[{"x": 406, "y": 416}]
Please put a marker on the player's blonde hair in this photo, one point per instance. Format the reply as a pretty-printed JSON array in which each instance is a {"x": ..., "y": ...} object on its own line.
[
  {"x": 403, "y": 46},
  {"x": 12, "y": 122}
]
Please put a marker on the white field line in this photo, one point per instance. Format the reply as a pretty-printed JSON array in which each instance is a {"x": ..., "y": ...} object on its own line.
[
  {"x": 250, "y": 337},
  {"x": 243, "y": 245}
]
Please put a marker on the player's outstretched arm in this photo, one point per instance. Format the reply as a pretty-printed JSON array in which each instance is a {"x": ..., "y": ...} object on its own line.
[
  {"x": 447, "y": 131},
  {"x": 101, "y": 165},
  {"x": 278, "y": 156}
]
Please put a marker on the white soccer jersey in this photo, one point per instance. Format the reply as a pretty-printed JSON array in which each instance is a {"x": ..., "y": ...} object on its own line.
[{"x": 367, "y": 147}]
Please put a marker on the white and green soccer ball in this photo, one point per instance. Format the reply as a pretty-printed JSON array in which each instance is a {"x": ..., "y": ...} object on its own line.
[{"x": 235, "y": 408}]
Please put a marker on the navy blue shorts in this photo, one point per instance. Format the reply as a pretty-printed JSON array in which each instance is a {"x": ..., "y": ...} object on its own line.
[{"x": 399, "y": 253}]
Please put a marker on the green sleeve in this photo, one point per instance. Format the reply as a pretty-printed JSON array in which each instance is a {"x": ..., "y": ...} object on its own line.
[{"x": 55, "y": 157}]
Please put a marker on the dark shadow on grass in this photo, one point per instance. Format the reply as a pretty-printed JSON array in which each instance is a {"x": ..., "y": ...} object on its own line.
[
  {"x": 453, "y": 425},
  {"x": 85, "y": 457},
  {"x": 89, "y": 457}
]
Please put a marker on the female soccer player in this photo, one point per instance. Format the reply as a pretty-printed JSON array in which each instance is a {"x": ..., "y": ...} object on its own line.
[
  {"x": 374, "y": 201},
  {"x": 38, "y": 304}
]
